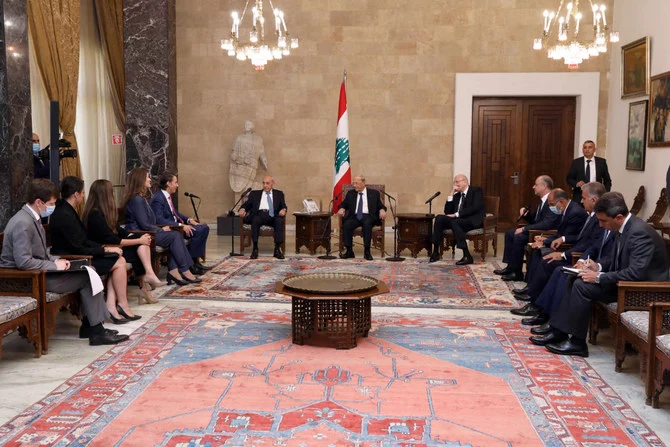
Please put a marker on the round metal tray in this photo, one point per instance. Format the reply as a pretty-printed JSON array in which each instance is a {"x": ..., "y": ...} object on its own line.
[{"x": 330, "y": 282}]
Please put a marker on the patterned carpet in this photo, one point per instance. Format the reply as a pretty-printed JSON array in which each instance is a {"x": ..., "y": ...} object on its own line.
[
  {"x": 413, "y": 283},
  {"x": 202, "y": 377}
]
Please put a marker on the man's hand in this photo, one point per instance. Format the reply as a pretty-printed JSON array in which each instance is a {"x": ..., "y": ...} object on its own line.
[
  {"x": 341, "y": 212},
  {"x": 145, "y": 239},
  {"x": 551, "y": 257},
  {"x": 116, "y": 250},
  {"x": 580, "y": 184},
  {"x": 556, "y": 243},
  {"x": 166, "y": 228},
  {"x": 282, "y": 212},
  {"x": 451, "y": 215},
  {"x": 192, "y": 221},
  {"x": 537, "y": 244},
  {"x": 242, "y": 212},
  {"x": 382, "y": 214},
  {"x": 62, "y": 264},
  {"x": 522, "y": 211},
  {"x": 518, "y": 231},
  {"x": 590, "y": 265},
  {"x": 588, "y": 276},
  {"x": 188, "y": 230}
]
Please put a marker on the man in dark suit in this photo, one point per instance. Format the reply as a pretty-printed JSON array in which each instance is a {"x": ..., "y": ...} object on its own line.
[
  {"x": 167, "y": 214},
  {"x": 265, "y": 207},
  {"x": 588, "y": 168},
  {"x": 517, "y": 238},
  {"x": 463, "y": 211},
  {"x": 362, "y": 207},
  {"x": 639, "y": 255},
  {"x": 24, "y": 248}
]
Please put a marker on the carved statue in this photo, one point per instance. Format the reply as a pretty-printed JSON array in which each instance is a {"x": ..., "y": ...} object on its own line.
[{"x": 247, "y": 150}]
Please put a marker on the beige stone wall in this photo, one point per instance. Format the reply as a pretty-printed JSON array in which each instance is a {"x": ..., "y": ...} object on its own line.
[{"x": 400, "y": 57}]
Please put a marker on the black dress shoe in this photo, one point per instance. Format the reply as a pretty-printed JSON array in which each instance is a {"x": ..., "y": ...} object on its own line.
[
  {"x": 367, "y": 256},
  {"x": 106, "y": 339},
  {"x": 550, "y": 337},
  {"x": 524, "y": 297},
  {"x": 536, "y": 320},
  {"x": 567, "y": 347},
  {"x": 541, "y": 330},
  {"x": 504, "y": 271},
  {"x": 522, "y": 291},
  {"x": 349, "y": 254},
  {"x": 465, "y": 260},
  {"x": 435, "y": 256},
  {"x": 83, "y": 332},
  {"x": 278, "y": 254},
  {"x": 202, "y": 266},
  {"x": 529, "y": 310},
  {"x": 254, "y": 254},
  {"x": 514, "y": 276}
]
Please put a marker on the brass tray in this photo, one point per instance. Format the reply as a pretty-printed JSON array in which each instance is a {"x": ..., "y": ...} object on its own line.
[{"x": 330, "y": 282}]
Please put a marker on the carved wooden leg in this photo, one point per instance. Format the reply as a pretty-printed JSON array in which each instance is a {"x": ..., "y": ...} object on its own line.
[
  {"x": 593, "y": 327},
  {"x": 620, "y": 351}
]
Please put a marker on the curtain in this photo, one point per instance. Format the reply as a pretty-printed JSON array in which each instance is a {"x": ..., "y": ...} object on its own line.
[
  {"x": 54, "y": 28},
  {"x": 39, "y": 100}
]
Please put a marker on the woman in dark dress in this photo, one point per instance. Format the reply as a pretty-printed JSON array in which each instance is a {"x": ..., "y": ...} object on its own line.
[{"x": 101, "y": 220}]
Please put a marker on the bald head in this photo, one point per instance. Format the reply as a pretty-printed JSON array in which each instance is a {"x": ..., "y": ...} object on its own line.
[
  {"x": 460, "y": 183},
  {"x": 268, "y": 183}
]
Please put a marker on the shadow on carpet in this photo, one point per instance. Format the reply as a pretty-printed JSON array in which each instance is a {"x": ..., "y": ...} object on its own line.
[
  {"x": 412, "y": 283},
  {"x": 204, "y": 377}
]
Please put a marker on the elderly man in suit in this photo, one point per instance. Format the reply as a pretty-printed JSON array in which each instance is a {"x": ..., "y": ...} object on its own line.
[
  {"x": 588, "y": 168},
  {"x": 167, "y": 214},
  {"x": 265, "y": 207},
  {"x": 463, "y": 211},
  {"x": 362, "y": 207},
  {"x": 639, "y": 255},
  {"x": 25, "y": 248},
  {"x": 516, "y": 239}
]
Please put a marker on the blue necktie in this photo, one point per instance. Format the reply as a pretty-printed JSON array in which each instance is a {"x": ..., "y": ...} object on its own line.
[
  {"x": 271, "y": 207},
  {"x": 359, "y": 208}
]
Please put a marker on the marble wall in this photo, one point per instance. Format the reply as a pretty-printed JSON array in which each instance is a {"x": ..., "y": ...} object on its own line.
[{"x": 16, "y": 164}]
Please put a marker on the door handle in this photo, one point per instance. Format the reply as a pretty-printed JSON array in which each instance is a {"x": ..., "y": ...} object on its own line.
[{"x": 515, "y": 177}]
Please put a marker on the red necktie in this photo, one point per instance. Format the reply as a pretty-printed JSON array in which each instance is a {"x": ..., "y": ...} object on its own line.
[{"x": 176, "y": 216}]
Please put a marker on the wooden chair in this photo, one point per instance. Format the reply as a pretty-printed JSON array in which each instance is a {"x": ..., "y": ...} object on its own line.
[
  {"x": 638, "y": 201},
  {"x": 659, "y": 212},
  {"x": 479, "y": 236},
  {"x": 378, "y": 237},
  {"x": 658, "y": 368},
  {"x": 20, "y": 313},
  {"x": 265, "y": 231}
]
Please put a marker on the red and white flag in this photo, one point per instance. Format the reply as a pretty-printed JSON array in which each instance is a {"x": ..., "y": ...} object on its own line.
[{"x": 342, "y": 172}]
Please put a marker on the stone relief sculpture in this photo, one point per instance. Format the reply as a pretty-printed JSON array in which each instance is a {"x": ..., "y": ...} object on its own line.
[{"x": 247, "y": 150}]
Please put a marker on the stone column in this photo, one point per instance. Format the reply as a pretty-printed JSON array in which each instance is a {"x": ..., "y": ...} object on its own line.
[
  {"x": 16, "y": 161},
  {"x": 149, "y": 43}
]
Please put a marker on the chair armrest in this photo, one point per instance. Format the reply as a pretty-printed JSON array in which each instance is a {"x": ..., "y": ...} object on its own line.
[
  {"x": 178, "y": 228},
  {"x": 657, "y": 324},
  {"x": 639, "y": 295},
  {"x": 575, "y": 256},
  {"x": 73, "y": 257},
  {"x": 564, "y": 247},
  {"x": 13, "y": 282}
]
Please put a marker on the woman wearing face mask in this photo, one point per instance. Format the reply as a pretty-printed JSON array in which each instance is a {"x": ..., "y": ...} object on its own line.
[{"x": 40, "y": 167}]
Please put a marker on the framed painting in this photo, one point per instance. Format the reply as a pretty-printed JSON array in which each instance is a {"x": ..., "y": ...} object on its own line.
[
  {"x": 637, "y": 138},
  {"x": 635, "y": 68},
  {"x": 659, "y": 104}
]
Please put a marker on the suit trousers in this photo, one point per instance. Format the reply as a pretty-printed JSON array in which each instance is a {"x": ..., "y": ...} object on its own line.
[
  {"x": 93, "y": 306},
  {"x": 552, "y": 294},
  {"x": 263, "y": 218},
  {"x": 538, "y": 275},
  {"x": 514, "y": 249},
  {"x": 351, "y": 223},
  {"x": 459, "y": 226},
  {"x": 198, "y": 242},
  {"x": 574, "y": 312},
  {"x": 180, "y": 258}
]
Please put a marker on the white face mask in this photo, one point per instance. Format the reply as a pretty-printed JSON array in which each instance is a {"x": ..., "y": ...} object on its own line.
[
  {"x": 46, "y": 213},
  {"x": 36, "y": 148}
]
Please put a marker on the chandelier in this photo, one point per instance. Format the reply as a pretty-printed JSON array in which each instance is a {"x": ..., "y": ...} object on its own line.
[
  {"x": 257, "y": 50},
  {"x": 565, "y": 41}
]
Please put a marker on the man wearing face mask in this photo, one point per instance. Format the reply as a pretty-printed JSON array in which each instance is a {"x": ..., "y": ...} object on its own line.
[
  {"x": 41, "y": 169},
  {"x": 24, "y": 248}
]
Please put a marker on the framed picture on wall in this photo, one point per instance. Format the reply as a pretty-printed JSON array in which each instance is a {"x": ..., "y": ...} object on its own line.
[
  {"x": 637, "y": 135},
  {"x": 659, "y": 105},
  {"x": 635, "y": 68}
]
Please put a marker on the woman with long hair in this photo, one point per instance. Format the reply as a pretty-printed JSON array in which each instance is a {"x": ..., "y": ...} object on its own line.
[
  {"x": 101, "y": 220},
  {"x": 140, "y": 216}
]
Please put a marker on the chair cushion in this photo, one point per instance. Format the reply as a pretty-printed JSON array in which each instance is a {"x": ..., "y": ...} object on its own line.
[
  {"x": 53, "y": 296},
  {"x": 475, "y": 232},
  {"x": 663, "y": 343},
  {"x": 160, "y": 249},
  {"x": 611, "y": 307},
  {"x": 12, "y": 307},
  {"x": 247, "y": 227},
  {"x": 637, "y": 321}
]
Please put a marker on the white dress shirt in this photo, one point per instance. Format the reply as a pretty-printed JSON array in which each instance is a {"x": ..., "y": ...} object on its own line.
[
  {"x": 463, "y": 194},
  {"x": 365, "y": 201},
  {"x": 592, "y": 166},
  {"x": 169, "y": 201},
  {"x": 264, "y": 200}
]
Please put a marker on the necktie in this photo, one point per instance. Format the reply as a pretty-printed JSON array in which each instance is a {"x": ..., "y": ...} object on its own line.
[
  {"x": 174, "y": 214},
  {"x": 460, "y": 203},
  {"x": 602, "y": 243},
  {"x": 617, "y": 242},
  {"x": 539, "y": 210},
  {"x": 271, "y": 206},
  {"x": 359, "y": 208},
  {"x": 584, "y": 227},
  {"x": 587, "y": 174}
]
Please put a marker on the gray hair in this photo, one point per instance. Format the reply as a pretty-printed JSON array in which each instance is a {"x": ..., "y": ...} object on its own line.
[{"x": 594, "y": 189}]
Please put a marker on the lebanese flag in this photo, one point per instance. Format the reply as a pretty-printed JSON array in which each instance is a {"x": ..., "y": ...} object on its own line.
[{"x": 342, "y": 172}]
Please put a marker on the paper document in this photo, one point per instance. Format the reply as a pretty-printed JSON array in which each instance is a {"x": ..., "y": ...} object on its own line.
[
  {"x": 571, "y": 271},
  {"x": 94, "y": 278}
]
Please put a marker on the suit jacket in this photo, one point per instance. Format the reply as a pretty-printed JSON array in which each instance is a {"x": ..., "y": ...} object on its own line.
[
  {"x": 253, "y": 202},
  {"x": 545, "y": 221},
  {"x": 571, "y": 223},
  {"x": 374, "y": 203},
  {"x": 472, "y": 209},
  {"x": 591, "y": 235},
  {"x": 577, "y": 174},
  {"x": 641, "y": 255},
  {"x": 140, "y": 216},
  {"x": 601, "y": 251},
  {"x": 99, "y": 231},
  {"x": 68, "y": 235},
  {"x": 25, "y": 244},
  {"x": 163, "y": 212}
]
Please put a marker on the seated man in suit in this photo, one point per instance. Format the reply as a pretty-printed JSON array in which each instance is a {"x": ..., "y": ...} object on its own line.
[
  {"x": 265, "y": 207},
  {"x": 463, "y": 211},
  {"x": 588, "y": 169},
  {"x": 25, "y": 248},
  {"x": 362, "y": 207},
  {"x": 639, "y": 255},
  {"x": 167, "y": 214},
  {"x": 517, "y": 238}
]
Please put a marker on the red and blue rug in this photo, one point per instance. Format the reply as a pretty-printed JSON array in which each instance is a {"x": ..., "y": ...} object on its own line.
[
  {"x": 413, "y": 283},
  {"x": 196, "y": 378}
]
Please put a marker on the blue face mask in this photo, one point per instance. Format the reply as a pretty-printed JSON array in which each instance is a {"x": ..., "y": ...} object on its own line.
[
  {"x": 36, "y": 148},
  {"x": 50, "y": 209},
  {"x": 555, "y": 210}
]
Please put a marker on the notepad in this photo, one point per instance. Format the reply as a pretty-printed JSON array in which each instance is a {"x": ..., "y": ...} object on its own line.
[{"x": 570, "y": 270}]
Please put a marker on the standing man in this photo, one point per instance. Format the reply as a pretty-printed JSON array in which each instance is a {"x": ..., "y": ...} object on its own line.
[
  {"x": 167, "y": 214},
  {"x": 362, "y": 207},
  {"x": 463, "y": 211},
  {"x": 41, "y": 169},
  {"x": 588, "y": 168},
  {"x": 265, "y": 207}
]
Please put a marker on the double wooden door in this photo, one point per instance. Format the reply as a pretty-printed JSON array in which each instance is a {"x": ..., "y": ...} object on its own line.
[{"x": 514, "y": 140}]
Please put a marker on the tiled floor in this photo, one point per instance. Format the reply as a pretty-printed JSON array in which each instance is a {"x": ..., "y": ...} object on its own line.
[{"x": 25, "y": 380}]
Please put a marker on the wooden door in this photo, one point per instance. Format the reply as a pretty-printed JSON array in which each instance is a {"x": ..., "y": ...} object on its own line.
[{"x": 516, "y": 139}]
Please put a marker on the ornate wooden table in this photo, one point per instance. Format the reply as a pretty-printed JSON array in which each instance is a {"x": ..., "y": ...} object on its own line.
[
  {"x": 335, "y": 320},
  {"x": 415, "y": 232},
  {"x": 311, "y": 231}
]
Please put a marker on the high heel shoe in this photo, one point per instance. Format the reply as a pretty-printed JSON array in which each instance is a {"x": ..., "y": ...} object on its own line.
[
  {"x": 171, "y": 279},
  {"x": 145, "y": 295},
  {"x": 155, "y": 284},
  {"x": 192, "y": 281},
  {"x": 118, "y": 320},
  {"x": 125, "y": 315}
]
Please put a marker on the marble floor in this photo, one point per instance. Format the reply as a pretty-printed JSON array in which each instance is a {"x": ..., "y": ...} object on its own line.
[{"x": 25, "y": 380}]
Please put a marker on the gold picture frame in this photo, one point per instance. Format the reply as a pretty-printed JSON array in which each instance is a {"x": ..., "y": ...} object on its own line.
[
  {"x": 635, "y": 68},
  {"x": 659, "y": 110}
]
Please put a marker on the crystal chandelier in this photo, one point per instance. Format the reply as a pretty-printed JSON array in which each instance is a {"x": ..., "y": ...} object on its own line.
[
  {"x": 566, "y": 42},
  {"x": 257, "y": 50}
]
